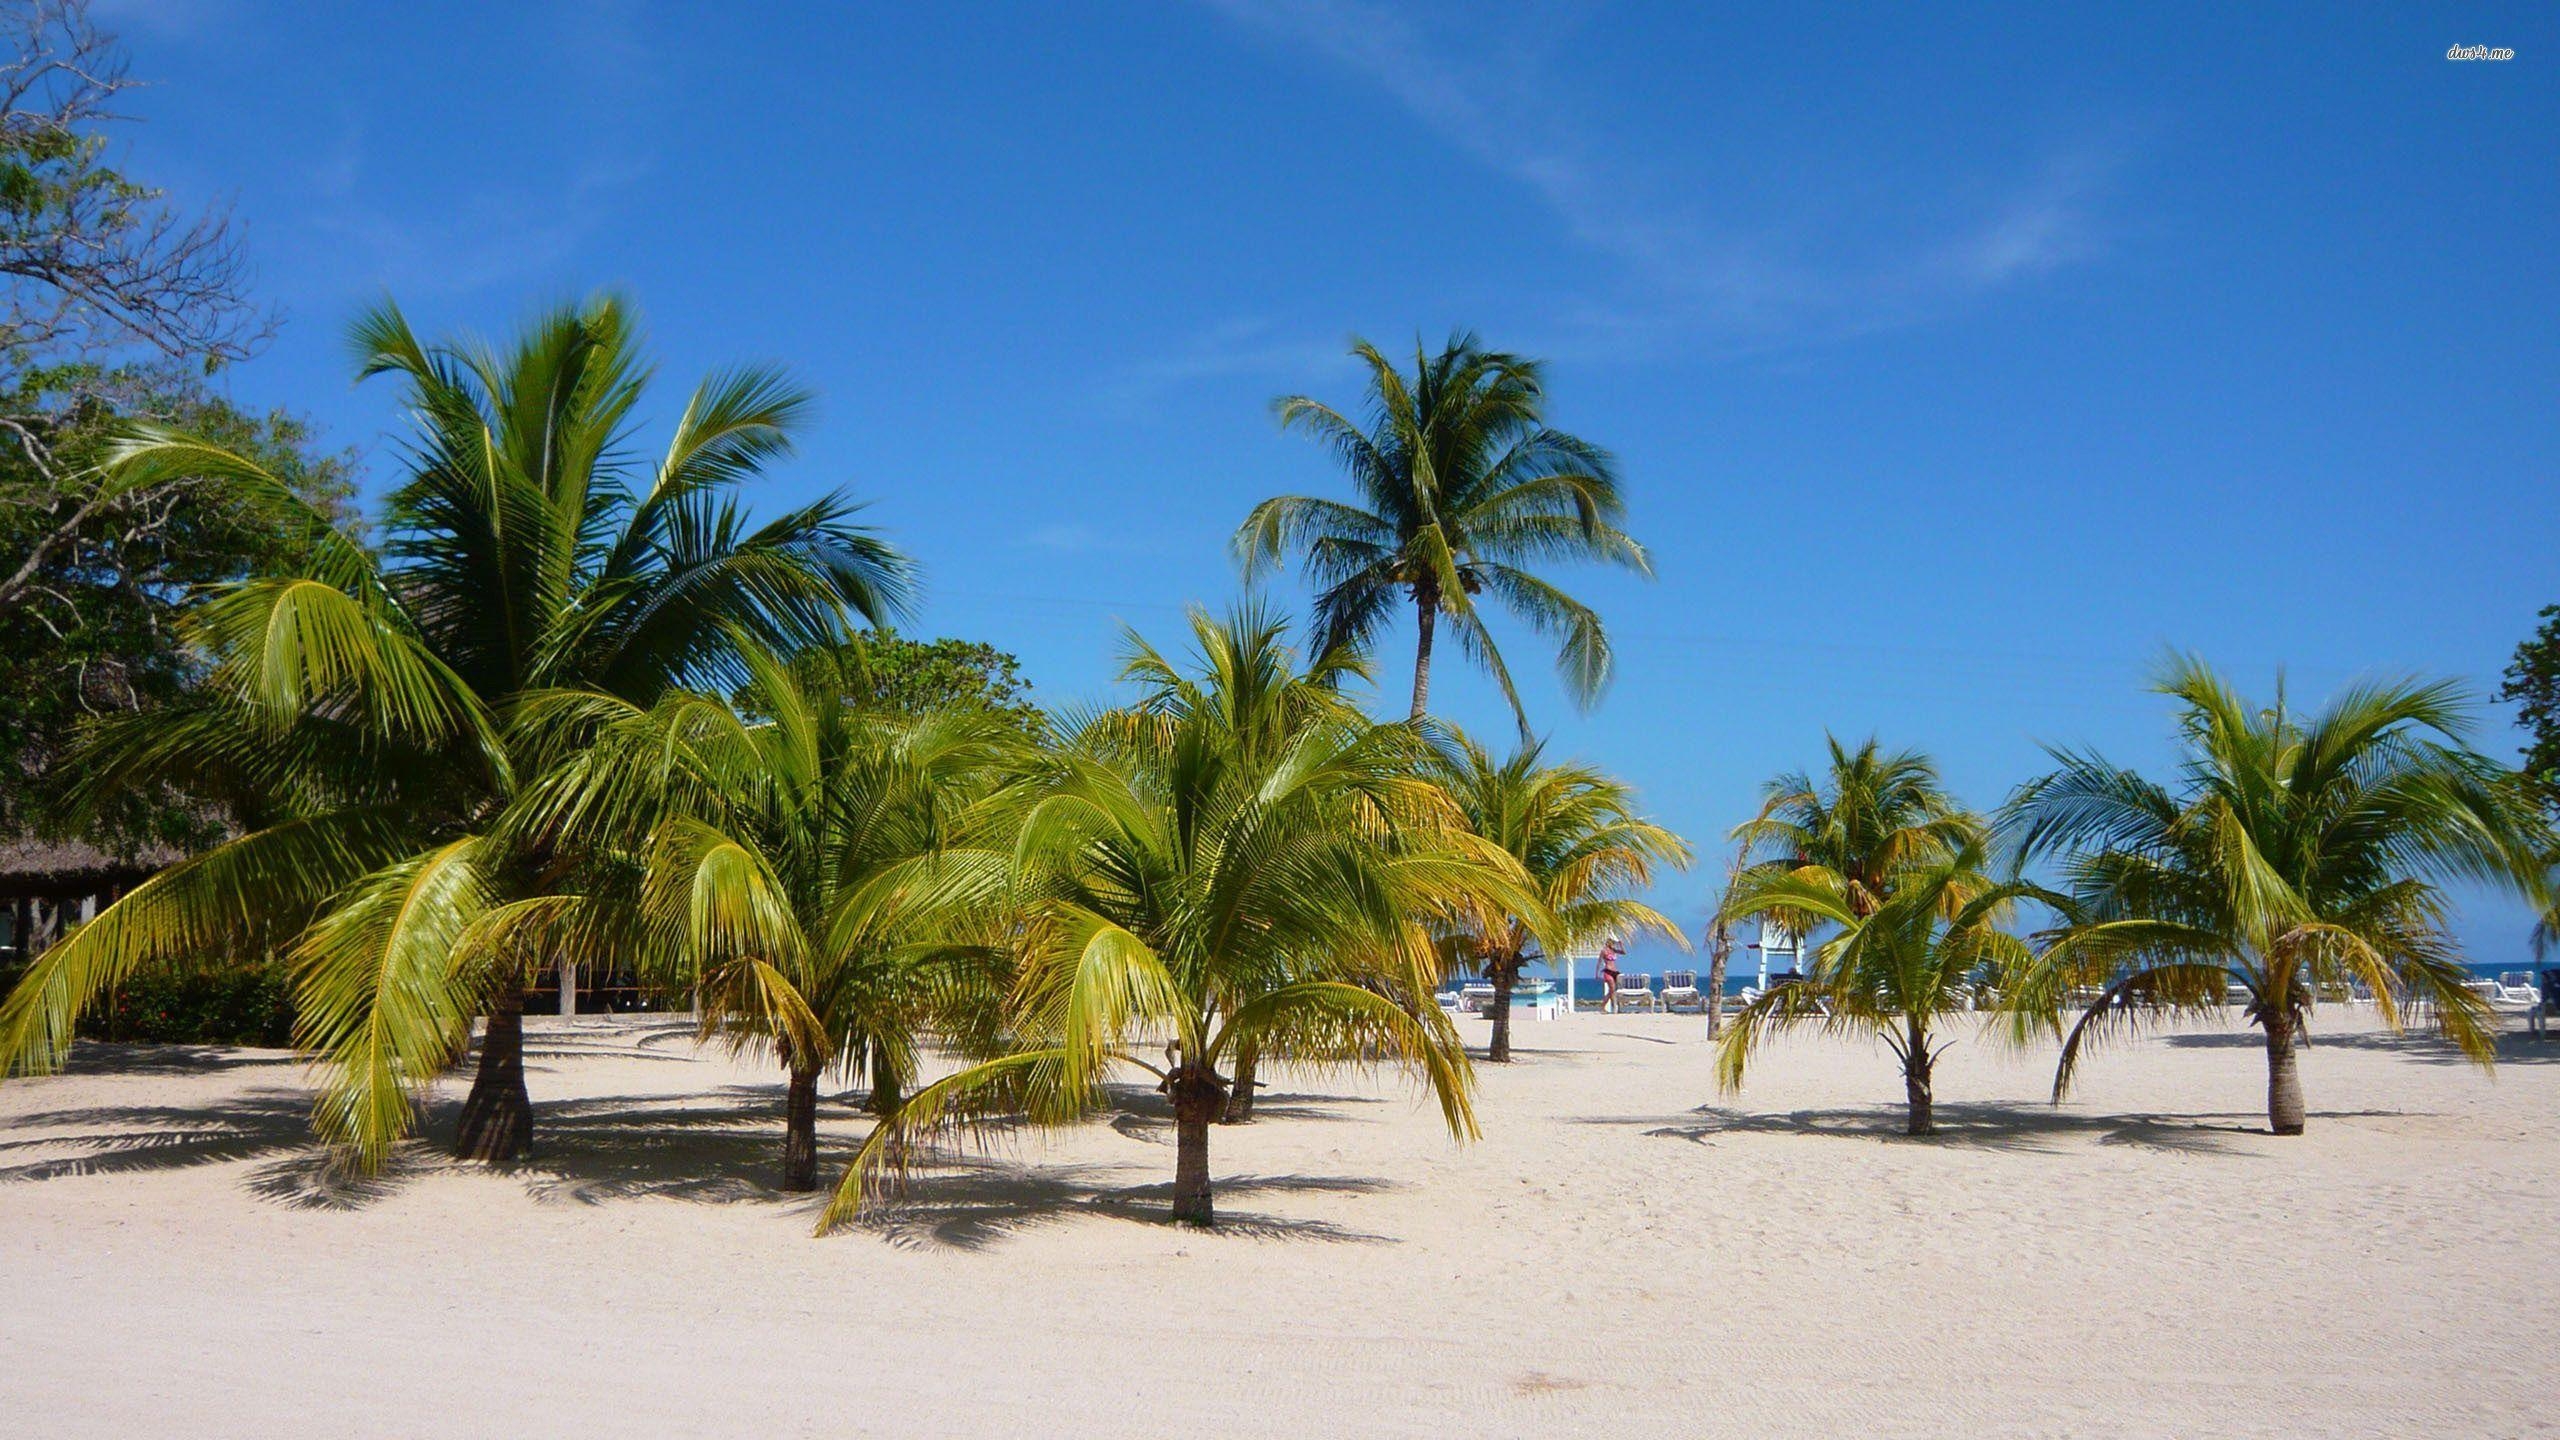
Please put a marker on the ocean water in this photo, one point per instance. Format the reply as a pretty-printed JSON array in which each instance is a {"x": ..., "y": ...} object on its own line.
[{"x": 1737, "y": 979}]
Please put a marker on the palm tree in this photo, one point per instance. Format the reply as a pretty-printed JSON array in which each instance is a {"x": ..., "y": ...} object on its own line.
[
  {"x": 1892, "y": 971},
  {"x": 806, "y": 875},
  {"x": 361, "y": 715},
  {"x": 2294, "y": 854},
  {"x": 1851, "y": 833},
  {"x": 1461, "y": 489},
  {"x": 1252, "y": 688},
  {"x": 1576, "y": 834},
  {"x": 1184, "y": 881}
]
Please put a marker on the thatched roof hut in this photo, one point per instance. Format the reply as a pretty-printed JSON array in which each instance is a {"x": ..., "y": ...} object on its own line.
[{"x": 69, "y": 869}]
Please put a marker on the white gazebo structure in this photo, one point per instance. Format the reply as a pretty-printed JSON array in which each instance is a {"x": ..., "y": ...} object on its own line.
[
  {"x": 1572, "y": 966},
  {"x": 1777, "y": 939}
]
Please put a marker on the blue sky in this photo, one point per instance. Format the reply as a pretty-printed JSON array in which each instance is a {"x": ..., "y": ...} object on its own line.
[{"x": 1957, "y": 365}]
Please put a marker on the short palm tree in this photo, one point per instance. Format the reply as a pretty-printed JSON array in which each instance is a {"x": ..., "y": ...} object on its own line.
[
  {"x": 1576, "y": 834},
  {"x": 2294, "y": 854},
  {"x": 807, "y": 875},
  {"x": 361, "y": 716},
  {"x": 1180, "y": 883},
  {"x": 1893, "y": 971},
  {"x": 1852, "y": 831},
  {"x": 1461, "y": 490}
]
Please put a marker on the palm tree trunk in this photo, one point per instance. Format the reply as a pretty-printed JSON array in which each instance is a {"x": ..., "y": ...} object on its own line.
[
  {"x": 497, "y": 1116},
  {"x": 2284, "y": 1075},
  {"x": 1917, "y": 1066},
  {"x": 1197, "y": 1099},
  {"x": 1719, "y": 951},
  {"x": 1427, "y": 617},
  {"x": 1239, "y": 1108},
  {"x": 888, "y": 1087},
  {"x": 800, "y": 1131},
  {"x": 1505, "y": 975}
]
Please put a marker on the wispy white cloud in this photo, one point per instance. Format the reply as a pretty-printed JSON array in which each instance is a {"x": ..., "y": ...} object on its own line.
[
  {"x": 411, "y": 240},
  {"x": 1238, "y": 348},
  {"x": 1682, "y": 275}
]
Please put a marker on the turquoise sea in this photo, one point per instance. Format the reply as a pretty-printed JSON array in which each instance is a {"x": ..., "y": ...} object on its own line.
[{"x": 1738, "y": 979}]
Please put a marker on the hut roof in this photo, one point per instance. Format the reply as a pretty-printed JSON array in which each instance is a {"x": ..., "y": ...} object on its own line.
[{"x": 32, "y": 866}]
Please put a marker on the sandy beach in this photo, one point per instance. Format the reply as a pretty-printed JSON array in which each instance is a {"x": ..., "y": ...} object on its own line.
[{"x": 1625, "y": 1253}]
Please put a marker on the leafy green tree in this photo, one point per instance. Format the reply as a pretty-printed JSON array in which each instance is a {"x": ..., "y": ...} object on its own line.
[
  {"x": 98, "y": 614},
  {"x": 365, "y": 706},
  {"x": 1461, "y": 490},
  {"x": 109, "y": 298},
  {"x": 885, "y": 671},
  {"x": 1893, "y": 971},
  {"x": 804, "y": 876},
  {"x": 2294, "y": 854},
  {"x": 1576, "y": 834},
  {"x": 2532, "y": 685},
  {"x": 1208, "y": 873}
]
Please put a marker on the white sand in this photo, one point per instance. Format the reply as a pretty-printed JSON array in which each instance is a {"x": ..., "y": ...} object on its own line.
[{"x": 1623, "y": 1254}]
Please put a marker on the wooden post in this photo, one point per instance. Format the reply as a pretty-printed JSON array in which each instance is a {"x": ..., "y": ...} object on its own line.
[{"x": 568, "y": 987}]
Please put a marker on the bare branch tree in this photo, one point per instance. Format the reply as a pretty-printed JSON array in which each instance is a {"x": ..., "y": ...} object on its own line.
[
  {"x": 93, "y": 261},
  {"x": 97, "y": 273}
]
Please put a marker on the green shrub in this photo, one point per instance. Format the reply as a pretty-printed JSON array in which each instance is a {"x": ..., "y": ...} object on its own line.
[{"x": 246, "y": 1005}]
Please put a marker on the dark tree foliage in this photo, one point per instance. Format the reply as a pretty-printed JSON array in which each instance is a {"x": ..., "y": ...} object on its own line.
[
  {"x": 2533, "y": 684},
  {"x": 115, "y": 305},
  {"x": 94, "y": 630},
  {"x": 891, "y": 672}
]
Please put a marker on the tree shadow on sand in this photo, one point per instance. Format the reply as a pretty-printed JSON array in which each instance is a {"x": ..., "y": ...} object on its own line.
[
  {"x": 2515, "y": 1047},
  {"x": 716, "y": 1147},
  {"x": 123, "y": 1139},
  {"x": 970, "y": 1203},
  {"x": 2032, "y": 1129}
]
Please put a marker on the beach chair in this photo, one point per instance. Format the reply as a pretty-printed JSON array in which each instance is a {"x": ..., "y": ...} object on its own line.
[
  {"x": 1449, "y": 1002},
  {"x": 1680, "y": 991},
  {"x": 1633, "y": 990},
  {"x": 2516, "y": 987}
]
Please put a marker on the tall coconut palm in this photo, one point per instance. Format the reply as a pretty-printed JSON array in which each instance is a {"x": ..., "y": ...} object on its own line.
[
  {"x": 1893, "y": 971},
  {"x": 362, "y": 714},
  {"x": 1576, "y": 834},
  {"x": 1852, "y": 831},
  {"x": 808, "y": 875},
  {"x": 1177, "y": 886},
  {"x": 2293, "y": 853},
  {"x": 1460, "y": 490}
]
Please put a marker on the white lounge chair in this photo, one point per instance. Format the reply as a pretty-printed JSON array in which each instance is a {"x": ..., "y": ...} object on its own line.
[
  {"x": 1633, "y": 990},
  {"x": 2516, "y": 987},
  {"x": 1680, "y": 991}
]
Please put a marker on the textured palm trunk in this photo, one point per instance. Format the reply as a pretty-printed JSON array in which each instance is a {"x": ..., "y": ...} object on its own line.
[
  {"x": 1239, "y": 1107},
  {"x": 800, "y": 1131},
  {"x": 888, "y": 1087},
  {"x": 1427, "y": 618},
  {"x": 2284, "y": 1076},
  {"x": 1504, "y": 977},
  {"x": 1917, "y": 1087},
  {"x": 1197, "y": 1099},
  {"x": 1719, "y": 951},
  {"x": 497, "y": 1116}
]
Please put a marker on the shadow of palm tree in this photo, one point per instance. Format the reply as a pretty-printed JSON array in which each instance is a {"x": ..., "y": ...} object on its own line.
[
  {"x": 2515, "y": 1047},
  {"x": 716, "y": 1147},
  {"x": 98, "y": 1057},
  {"x": 971, "y": 1204},
  {"x": 120, "y": 1139},
  {"x": 2028, "y": 1129}
]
